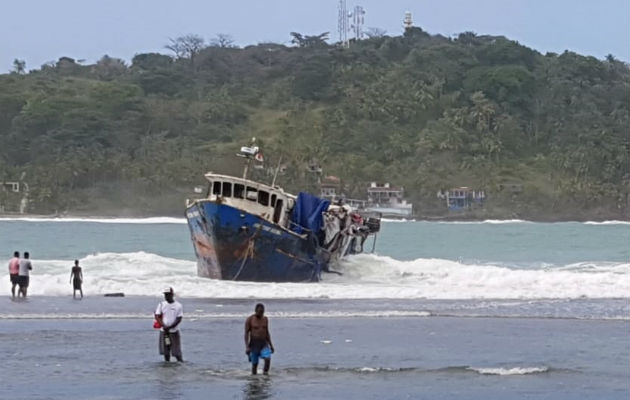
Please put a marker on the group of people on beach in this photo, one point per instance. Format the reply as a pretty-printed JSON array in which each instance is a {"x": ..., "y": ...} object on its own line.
[
  {"x": 20, "y": 271},
  {"x": 169, "y": 314}
]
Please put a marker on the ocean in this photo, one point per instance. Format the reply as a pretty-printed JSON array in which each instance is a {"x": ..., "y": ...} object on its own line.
[{"x": 441, "y": 310}]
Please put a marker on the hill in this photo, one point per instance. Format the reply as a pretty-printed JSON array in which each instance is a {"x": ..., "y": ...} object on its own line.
[{"x": 423, "y": 111}]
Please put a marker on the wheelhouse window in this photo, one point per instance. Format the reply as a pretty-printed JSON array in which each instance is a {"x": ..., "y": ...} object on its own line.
[
  {"x": 277, "y": 212},
  {"x": 216, "y": 188},
  {"x": 273, "y": 200},
  {"x": 227, "y": 189},
  {"x": 239, "y": 190},
  {"x": 251, "y": 194},
  {"x": 263, "y": 198}
]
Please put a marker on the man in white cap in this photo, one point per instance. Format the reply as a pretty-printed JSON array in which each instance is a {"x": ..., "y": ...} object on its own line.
[{"x": 169, "y": 314}]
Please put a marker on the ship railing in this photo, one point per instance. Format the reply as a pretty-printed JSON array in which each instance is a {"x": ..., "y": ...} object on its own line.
[{"x": 299, "y": 229}]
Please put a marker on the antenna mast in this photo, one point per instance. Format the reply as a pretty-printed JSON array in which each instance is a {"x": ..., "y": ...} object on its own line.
[
  {"x": 358, "y": 20},
  {"x": 342, "y": 24}
]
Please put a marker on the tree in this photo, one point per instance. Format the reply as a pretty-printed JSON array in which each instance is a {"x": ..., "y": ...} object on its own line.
[
  {"x": 222, "y": 40},
  {"x": 309, "y": 41},
  {"x": 186, "y": 46},
  {"x": 19, "y": 67},
  {"x": 108, "y": 67},
  {"x": 468, "y": 38},
  {"x": 149, "y": 61}
]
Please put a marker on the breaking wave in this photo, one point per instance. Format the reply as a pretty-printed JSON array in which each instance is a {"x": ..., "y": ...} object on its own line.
[
  {"x": 364, "y": 277},
  {"x": 150, "y": 220},
  {"x": 173, "y": 220},
  {"x": 510, "y": 371}
]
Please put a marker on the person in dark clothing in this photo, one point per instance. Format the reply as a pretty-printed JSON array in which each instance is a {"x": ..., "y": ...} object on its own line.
[{"x": 76, "y": 278}]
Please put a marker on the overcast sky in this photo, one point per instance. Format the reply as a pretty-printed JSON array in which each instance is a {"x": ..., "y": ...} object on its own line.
[{"x": 39, "y": 31}]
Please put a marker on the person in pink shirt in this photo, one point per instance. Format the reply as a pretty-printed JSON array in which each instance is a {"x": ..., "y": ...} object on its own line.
[{"x": 14, "y": 270}]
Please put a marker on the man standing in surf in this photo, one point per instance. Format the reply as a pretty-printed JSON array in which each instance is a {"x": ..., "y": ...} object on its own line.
[
  {"x": 258, "y": 340},
  {"x": 169, "y": 314},
  {"x": 76, "y": 278}
]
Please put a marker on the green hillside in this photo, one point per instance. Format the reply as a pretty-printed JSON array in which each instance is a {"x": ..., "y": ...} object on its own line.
[{"x": 423, "y": 111}]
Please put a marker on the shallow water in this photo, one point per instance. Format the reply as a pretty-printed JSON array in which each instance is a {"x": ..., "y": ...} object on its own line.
[
  {"x": 112, "y": 353},
  {"x": 485, "y": 310}
]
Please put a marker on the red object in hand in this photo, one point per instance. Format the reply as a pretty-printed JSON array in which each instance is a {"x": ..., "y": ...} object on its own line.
[{"x": 156, "y": 324}]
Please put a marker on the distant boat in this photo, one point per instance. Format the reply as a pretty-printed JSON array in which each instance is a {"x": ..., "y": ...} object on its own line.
[{"x": 249, "y": 231}]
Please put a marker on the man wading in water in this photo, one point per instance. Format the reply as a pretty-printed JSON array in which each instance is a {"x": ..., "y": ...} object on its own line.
[
  {"x": 76, "y": 278},
  {"x": 258, "y": 340},
  {"x": 169, "y": 314}
]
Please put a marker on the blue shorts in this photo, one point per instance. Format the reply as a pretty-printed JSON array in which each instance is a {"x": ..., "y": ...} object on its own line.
[{"x": 264, "y": 353}]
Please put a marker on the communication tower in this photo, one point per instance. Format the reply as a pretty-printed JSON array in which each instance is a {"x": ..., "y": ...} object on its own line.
[
  {"x": 357, "y": 22},
  {"x": 407, "y": 22},
  {"x": 342, "y": 23}
]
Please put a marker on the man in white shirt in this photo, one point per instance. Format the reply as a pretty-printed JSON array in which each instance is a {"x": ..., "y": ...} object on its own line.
[
  {"x": 169, "y": 314},
  {"x": 24, "y": 273}
]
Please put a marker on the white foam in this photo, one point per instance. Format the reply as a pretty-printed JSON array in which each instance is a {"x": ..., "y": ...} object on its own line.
[
  {"x": 510, "y": 371},
  {"x": 102, "y": 220},
  {"x": 233, "y": 315},
  {"x": 613, "y": 222},
  {"x": 397, "y": 220},
  {"x": 365, "y": 276},
  {"x": 487, "y": 221}
]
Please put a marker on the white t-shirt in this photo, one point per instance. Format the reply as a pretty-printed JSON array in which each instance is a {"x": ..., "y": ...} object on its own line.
[
  {"x": 170, "y": 312},
  {"x": 25, "y": 266}
]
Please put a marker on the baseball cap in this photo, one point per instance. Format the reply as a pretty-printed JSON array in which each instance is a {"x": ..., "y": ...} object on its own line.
[{"x": 168, "y": 289}]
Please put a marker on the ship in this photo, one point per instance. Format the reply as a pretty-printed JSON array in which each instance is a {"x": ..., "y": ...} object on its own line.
[{"x": 246, "y": 230}]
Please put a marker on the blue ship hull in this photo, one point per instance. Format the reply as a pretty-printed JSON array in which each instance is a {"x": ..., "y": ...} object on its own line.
[{"x": 231, "y": 244}]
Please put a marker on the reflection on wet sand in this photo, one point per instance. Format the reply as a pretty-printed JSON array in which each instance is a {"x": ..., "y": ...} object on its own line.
[{"x": 257, "y": 388}]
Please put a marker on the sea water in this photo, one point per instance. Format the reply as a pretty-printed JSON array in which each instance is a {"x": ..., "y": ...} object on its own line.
[{"x": 491, "y": 309}]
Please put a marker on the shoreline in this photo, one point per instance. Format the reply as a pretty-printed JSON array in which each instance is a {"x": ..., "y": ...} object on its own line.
[{"x": 447, "y": 218}]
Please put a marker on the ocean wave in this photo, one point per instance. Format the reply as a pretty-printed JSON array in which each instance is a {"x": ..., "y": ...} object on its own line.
[
  {"x": 509, "y": 371},
  {"x": 613, "y": 222},
  {"x": 195, "y": 315},
  {"x": 364, "y": 276},
  {"x": 397, "y": 220},
  {"x": 102, "y": 220}
]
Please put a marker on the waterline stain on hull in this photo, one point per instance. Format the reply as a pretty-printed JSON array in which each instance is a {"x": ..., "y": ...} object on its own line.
[{"x": 234, "y": 245}]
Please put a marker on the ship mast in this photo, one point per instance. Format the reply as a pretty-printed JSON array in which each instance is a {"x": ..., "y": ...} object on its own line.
[{"x": 250, "y": 152}]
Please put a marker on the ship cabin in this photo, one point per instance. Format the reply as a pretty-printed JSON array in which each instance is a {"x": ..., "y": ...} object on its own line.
[{"x": 270, "y": 203}]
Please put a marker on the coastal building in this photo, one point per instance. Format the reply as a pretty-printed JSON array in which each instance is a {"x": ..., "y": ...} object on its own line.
[
  {"x": 462, "y": 198},
  {"x": 330, "y": 188},
  {"x": 11, "y": 186},
  {"x": 13, "y": 197},
  {"x": 388, "y": 200}
]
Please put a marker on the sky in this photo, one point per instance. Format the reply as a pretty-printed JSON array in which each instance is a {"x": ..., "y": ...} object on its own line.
[{"x": 40, "y": 31}]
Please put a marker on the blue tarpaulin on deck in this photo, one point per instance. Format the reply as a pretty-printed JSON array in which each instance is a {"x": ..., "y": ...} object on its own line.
[{"x": 307, "y": 212}]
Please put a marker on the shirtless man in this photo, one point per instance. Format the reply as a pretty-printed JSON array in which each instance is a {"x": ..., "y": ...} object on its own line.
[
  {"x": 258, "y": 340},
  {"x": 76, "y": 278}
]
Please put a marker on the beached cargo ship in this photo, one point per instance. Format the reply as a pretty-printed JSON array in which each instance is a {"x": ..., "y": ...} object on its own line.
[{"x": 249, "y": 231}]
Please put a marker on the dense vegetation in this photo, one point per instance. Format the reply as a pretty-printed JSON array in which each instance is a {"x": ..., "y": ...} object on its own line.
[{"x": 423, "y": 111}]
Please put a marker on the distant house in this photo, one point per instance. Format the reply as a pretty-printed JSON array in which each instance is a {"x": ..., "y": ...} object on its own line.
[
  {"x": 330, "y": 188},
  {"x": 11, "y": 186},
  {"x": 13, "y": 196},
  {"x": 388, "y": 200},
  {"x": 462, "y": 198}
]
